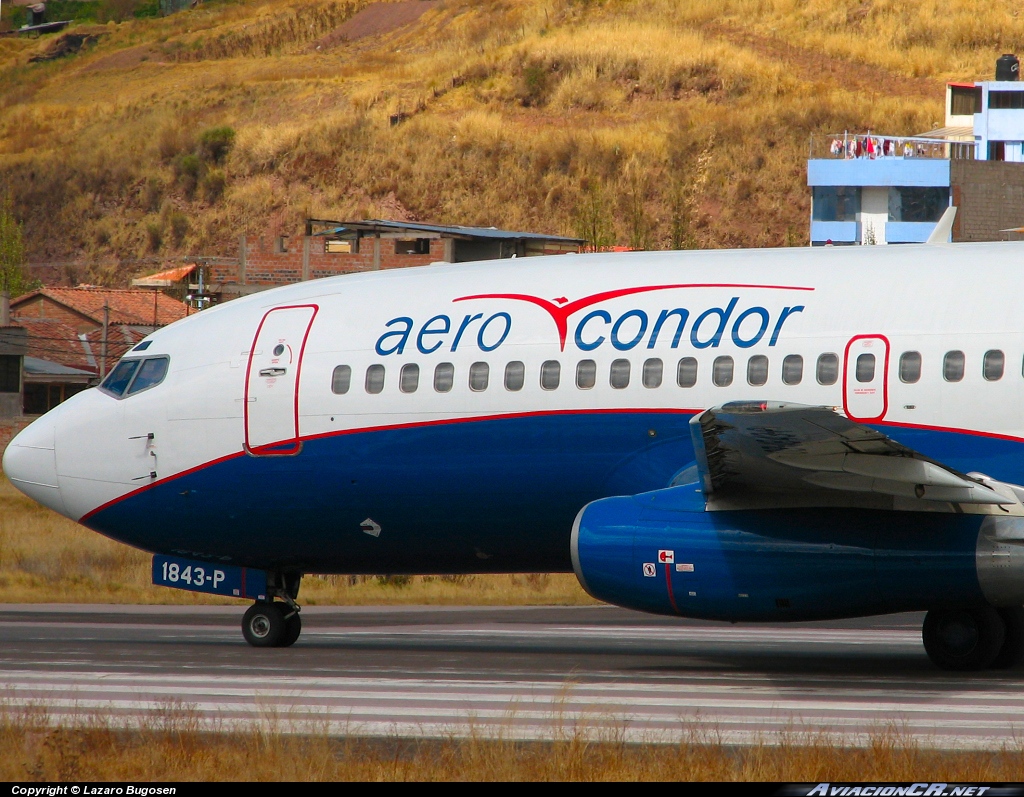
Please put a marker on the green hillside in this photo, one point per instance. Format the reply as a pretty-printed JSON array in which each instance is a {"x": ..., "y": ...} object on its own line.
[{"x": 653, "y": 124}]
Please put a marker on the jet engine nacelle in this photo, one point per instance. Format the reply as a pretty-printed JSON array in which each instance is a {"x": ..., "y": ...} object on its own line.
[{"x": 661, "y": 552}]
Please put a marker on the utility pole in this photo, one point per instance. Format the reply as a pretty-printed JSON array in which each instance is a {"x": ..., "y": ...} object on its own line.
[{"x": 103, "y": 347}]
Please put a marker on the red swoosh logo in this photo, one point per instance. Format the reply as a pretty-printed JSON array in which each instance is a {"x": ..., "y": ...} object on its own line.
[{"x": 560, "y": 314}]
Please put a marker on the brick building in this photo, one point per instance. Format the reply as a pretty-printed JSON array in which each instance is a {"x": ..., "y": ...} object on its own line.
[
  {"x": 74, "y": 336},
  {"x": 329, "y": 248}
]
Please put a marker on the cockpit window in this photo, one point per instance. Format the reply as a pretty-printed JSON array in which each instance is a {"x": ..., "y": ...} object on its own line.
[
  {"x": 117, "y": 382},
  {"x": 151, "y": 374},
  {"x": 134, "y": 376}
]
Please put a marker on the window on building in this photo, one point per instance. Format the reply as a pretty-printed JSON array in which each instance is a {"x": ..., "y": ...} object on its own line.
[
  {"x": 910, "y": 367},
  {"x": 586, "y": 374},
  {"x": 964, "y": 100},
  {"x": 340, "y": 246},
  {"x": 836, "y": 203},
  {"x": 10, "y": 373},
  {"x": 997, "y": 150},
  {"x": 792, "y": 369},
  {"x": 478, "y": 376},
  {"x": 1005, "y": 100},
  {"x": 341, "y": 379},
  {"x": 414, "y": 246},
  {"x": 444, "y": 377},
  {"x": 953, "y": 366},
  {"x": 550, "y": 374},
  {"x": 686, "y": 372},
  {"x": 827, "y": 370},
  {"x": 409, "y": 379},
  {"x": 619, "y": 375},
  {"x": 757, "y": 370},
  {"x": 653, "y": 371},
  {"x": 515, "y": 375},
  {"x": 914, "y": 203},
  {"x": 721, "y": 371},
  {"x": 375, "y": 379},
  {"x": 994, "y": 363}
]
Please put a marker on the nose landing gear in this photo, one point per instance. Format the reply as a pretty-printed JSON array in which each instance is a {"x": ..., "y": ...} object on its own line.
[{"x": 271, "y": 623}]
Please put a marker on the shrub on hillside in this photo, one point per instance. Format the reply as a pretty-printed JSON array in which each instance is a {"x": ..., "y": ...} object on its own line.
[
  {"x": 188, "y": 170},
  {"x": 212, "y": 185},
  {"x": 215, "y": 143}
]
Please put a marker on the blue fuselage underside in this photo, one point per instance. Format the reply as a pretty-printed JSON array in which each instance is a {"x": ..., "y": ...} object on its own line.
[{"x": 493, "y": 495}]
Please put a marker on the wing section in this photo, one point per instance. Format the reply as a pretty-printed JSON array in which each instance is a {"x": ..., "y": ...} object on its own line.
[{"x": 754, "y": 454}]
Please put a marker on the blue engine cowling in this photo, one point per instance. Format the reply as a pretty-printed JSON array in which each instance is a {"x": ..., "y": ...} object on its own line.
[{"x": 661, "y": 552}]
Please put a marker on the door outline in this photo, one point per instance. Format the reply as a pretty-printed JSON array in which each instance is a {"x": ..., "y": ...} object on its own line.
[
  {"x": 847, "y": 376},
  {"x": 278, "y": 447}
]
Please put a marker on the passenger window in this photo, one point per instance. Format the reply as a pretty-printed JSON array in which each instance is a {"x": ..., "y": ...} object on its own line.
[
  {"x": 792, "y": 369},
  {"x": 151, "y": 374},
  {"x": 550, "y": 374},
  {"x": 586, "y": 374},
  {"x": 686, "y": 372},
  {"x": 515, "y": 375},
  {"x": 994, "y": 363},
  {"x": 827, "y": 372},
  {"x": 910, "y": 367},
  {"x": 444, "y": 377},
  {"x": 721, "y": 371},
  {"x": 341, "y": 379},
  {"x": 118, "y": 379},
  {"x": 953, "y": 366},
  {"x": 653, "y": 370},
  {"x": 757, "y": 370},
  {"x": 410, "y": 378},
  {"x": 478, "y": 375},
  {"x": 865, "y": 369},
  {"x": 619, "y": 376},
  {"x": 375, "y": 379}
]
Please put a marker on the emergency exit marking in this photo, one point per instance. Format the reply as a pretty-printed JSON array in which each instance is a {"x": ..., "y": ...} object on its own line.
[{"x": 684, "y": 568}]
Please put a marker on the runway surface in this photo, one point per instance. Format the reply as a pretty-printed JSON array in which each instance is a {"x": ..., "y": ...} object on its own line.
[{"x": 532, "y": 673}]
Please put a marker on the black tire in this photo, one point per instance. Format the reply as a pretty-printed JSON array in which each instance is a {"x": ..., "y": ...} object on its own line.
[
  {"x": 264, "y": 625},
  {"x": 963, "y": 639},
  {"x": 293, "y": 627},
  {"x": 1011, "y": 654}
]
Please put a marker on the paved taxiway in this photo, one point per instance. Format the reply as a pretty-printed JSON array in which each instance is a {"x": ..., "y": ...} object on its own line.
[{"x": 522, "y": 672}]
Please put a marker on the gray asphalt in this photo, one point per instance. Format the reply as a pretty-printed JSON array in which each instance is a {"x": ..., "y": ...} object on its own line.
[{"x": 527, "y": 672}]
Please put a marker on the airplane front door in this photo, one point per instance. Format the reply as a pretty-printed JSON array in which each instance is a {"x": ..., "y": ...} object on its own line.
[
  {"x": 865, "y": 378},
  {"x": 272, "y": 381}
]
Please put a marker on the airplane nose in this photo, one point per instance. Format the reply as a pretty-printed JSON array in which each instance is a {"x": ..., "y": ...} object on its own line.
[{"x": 29, "y": 462}]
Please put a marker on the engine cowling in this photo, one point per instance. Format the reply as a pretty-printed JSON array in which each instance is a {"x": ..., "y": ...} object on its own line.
[{"x": 661, "y": 552}]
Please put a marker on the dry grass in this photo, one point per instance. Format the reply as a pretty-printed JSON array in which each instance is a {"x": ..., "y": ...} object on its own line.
[
  {"x": 169, "y": 746},
  {"x": 518, "y": 112},
  {"x": 46, "y": 558}
]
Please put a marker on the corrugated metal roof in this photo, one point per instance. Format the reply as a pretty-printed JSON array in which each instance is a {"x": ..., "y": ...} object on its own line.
[
  {"x": 379, "y": 225},
  {"x": 956, "y": 133},
  {"x": 37, "y": 367}
]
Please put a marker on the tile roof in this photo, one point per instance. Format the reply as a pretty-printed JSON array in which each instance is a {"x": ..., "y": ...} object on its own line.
[
  {"x": 126, "y": 306},
  {"x": 58, "y": 342}
]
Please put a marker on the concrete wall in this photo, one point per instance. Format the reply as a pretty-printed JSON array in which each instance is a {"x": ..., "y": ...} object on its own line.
[{"x": 990, "y": 198}]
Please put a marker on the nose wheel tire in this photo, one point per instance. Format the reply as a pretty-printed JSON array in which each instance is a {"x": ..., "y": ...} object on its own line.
[
  {"x": 292, "y": 631},
  {"x": 264, "y": 625},
  {"x": 964, "y": 639}
]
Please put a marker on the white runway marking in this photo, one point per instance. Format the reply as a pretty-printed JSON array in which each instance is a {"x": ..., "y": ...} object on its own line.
[{"x": 502, "y": 672}]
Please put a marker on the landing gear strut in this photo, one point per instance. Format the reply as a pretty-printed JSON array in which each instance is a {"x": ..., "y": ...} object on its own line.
[
  {"x": 272, "y": 623},
  {"x": 974, "y": 638}
]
